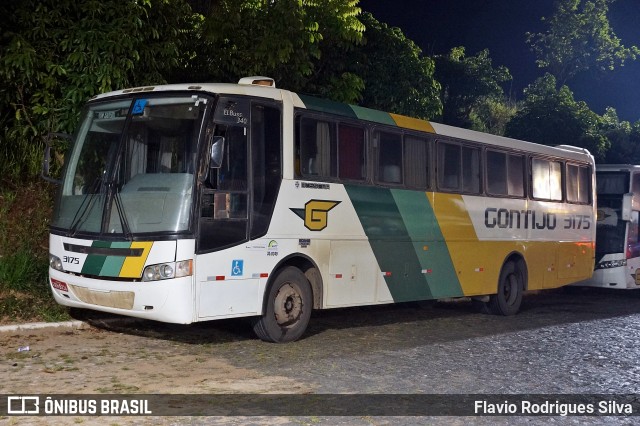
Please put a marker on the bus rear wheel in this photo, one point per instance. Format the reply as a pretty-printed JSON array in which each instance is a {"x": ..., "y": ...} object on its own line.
[
  {"x": 508, "y": 299},
  {"x": 289, "y": 301}
]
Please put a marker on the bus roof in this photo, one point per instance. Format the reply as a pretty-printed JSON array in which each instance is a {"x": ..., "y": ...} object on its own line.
[{"x": 361, "y": 113}]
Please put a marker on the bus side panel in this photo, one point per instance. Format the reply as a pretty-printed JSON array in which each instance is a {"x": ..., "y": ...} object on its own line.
[
  {"x": 406, "y": 242},
  {"x": 556, "y": 240},
  {"x": 321, "y": 223},
  {"x": 477, "y": 263},
  {"x": 231, "y": 282},
  {"x": 354, "y": 277}
]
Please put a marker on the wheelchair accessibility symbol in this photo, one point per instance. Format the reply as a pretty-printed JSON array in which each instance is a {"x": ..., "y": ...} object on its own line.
[{"x": 237, "y": 268}]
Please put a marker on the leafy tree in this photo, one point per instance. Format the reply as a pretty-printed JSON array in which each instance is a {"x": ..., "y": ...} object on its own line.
[
  {"x": 553, "y": 117},
  {"x": 624, "y": 138},
  {"x": 491, "y": 115},
  {"x": 466, "y": 82},
  {"x": 289, "y": 40},
  {"x": 579, "y": 38},
  {"x": 397, "y": 77},
  {"x": 56, "y": 54}
]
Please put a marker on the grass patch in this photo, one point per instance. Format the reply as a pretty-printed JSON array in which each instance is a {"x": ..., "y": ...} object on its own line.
[
  {"x": 24, "y": 255},
  {"x": 23, "y": 271},
  {"x": 27, "y": 307}
]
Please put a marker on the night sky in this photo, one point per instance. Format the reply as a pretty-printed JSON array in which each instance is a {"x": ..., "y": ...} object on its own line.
[{"x": 500, "y": 26}]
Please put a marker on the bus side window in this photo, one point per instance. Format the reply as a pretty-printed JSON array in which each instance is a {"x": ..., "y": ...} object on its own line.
[
  {"x": 505, "y": 174},
  {"x": 351, "y": 153},
  {"x": 470, "y": 170},
  {"x": 546, "y": 179},
  {"x": 449, "y": 166},
  {"x": 416, "y": 162},
  {"x": 458, "y": 168},
  {"x": 389, "y": 157},
  {"x": 515, "y": 175},
  {"x": 496, "y": 173},
  {"x": 317, "y": 147},
  {"x": 578, "y": 183}
]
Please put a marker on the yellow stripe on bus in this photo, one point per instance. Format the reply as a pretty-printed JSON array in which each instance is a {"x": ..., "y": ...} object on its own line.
[
  {"x": 412, "y": 123},
  {"x": 478, "y": 263},
  {"x": 132, "y": 267}
]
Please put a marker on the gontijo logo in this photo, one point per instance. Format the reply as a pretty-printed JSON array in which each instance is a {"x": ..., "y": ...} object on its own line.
[{"x": 316, "y": 213}]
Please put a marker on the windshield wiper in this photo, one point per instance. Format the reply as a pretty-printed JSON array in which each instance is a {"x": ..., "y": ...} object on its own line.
[
  {"x": 85, "y": 207},
  {"x": 117, "y": 199}
]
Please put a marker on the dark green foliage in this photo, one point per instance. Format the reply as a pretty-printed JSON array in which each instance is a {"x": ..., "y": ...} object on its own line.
[
  {"x": 397, "y": 77},
  {"x": 295, "y": 42},
  {"x": 624, "y": 138},
  {"x": 467, "y": 82},
  {"x": 578, "y": 39},
  {"x": 56, "y": 54},
  {"x": 552, "y": 116}
]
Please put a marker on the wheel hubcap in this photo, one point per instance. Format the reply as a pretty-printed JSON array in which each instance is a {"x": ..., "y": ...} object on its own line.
[{"x": 287, "y": 305}]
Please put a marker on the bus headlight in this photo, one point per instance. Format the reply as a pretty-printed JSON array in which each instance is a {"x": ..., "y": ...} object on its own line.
[
  {"x": 55, "y": 263},
  {"x": 165, "y": 271}
]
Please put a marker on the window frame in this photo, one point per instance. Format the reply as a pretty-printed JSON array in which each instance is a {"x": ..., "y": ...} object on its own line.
[
  {"x": 365, "y": 151},
  {"x": 336, "y": 120},
  {"x": 376, "y": 141},
  {"x": 588, "y": 181},
  {"x": 508, "y": 154},
  {"x": 531, "y": 185},
  {"x": 462, "y": 144}
]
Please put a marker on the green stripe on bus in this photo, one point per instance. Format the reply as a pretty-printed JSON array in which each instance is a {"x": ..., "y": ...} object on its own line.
[
  {"x": 346, "y": 110},
  {"x": 373, "y": 115},
  {"x": 390, "y": 242},
  {"x": 94, "y": 262},
  {"x": 327, "y": 106},
  {"x": 113, "y": 264},
  {"x": 428, "y": 243}
]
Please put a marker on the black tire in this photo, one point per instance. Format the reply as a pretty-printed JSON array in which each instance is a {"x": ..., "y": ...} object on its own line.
[
  {"x": 288, "y": 305},
  {"x": 508, "y": 299}
]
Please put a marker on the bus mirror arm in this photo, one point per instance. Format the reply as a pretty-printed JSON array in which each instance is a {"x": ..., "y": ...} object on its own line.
[
  {"x": 46, "y": 161},
  {"x": 627, "y": 200}
]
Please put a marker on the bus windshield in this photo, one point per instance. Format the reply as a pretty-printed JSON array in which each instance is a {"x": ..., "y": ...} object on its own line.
[{"x": 131, "y": 169}]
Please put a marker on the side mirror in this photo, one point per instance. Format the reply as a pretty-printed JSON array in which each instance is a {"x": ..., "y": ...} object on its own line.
[
  {"x": 627, "y": 200},
  {"x": 217, "y": 152},
  {"x": 46, "y": 161}
]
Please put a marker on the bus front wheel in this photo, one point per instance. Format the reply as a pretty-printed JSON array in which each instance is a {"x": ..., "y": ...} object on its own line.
[
  {"x": 510, "y": 288},
  {"x": 289, "y": 301}
]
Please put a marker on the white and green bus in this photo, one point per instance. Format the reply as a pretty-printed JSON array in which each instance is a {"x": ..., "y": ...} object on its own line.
[
  {"x": 617, "y": 263},
  {"x": 186, "y": 203}
]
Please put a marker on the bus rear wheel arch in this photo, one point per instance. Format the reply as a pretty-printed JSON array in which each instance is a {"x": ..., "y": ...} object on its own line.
[
  {"x": 512, "y": 282},
  {"x": 288, "y": 306}
]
